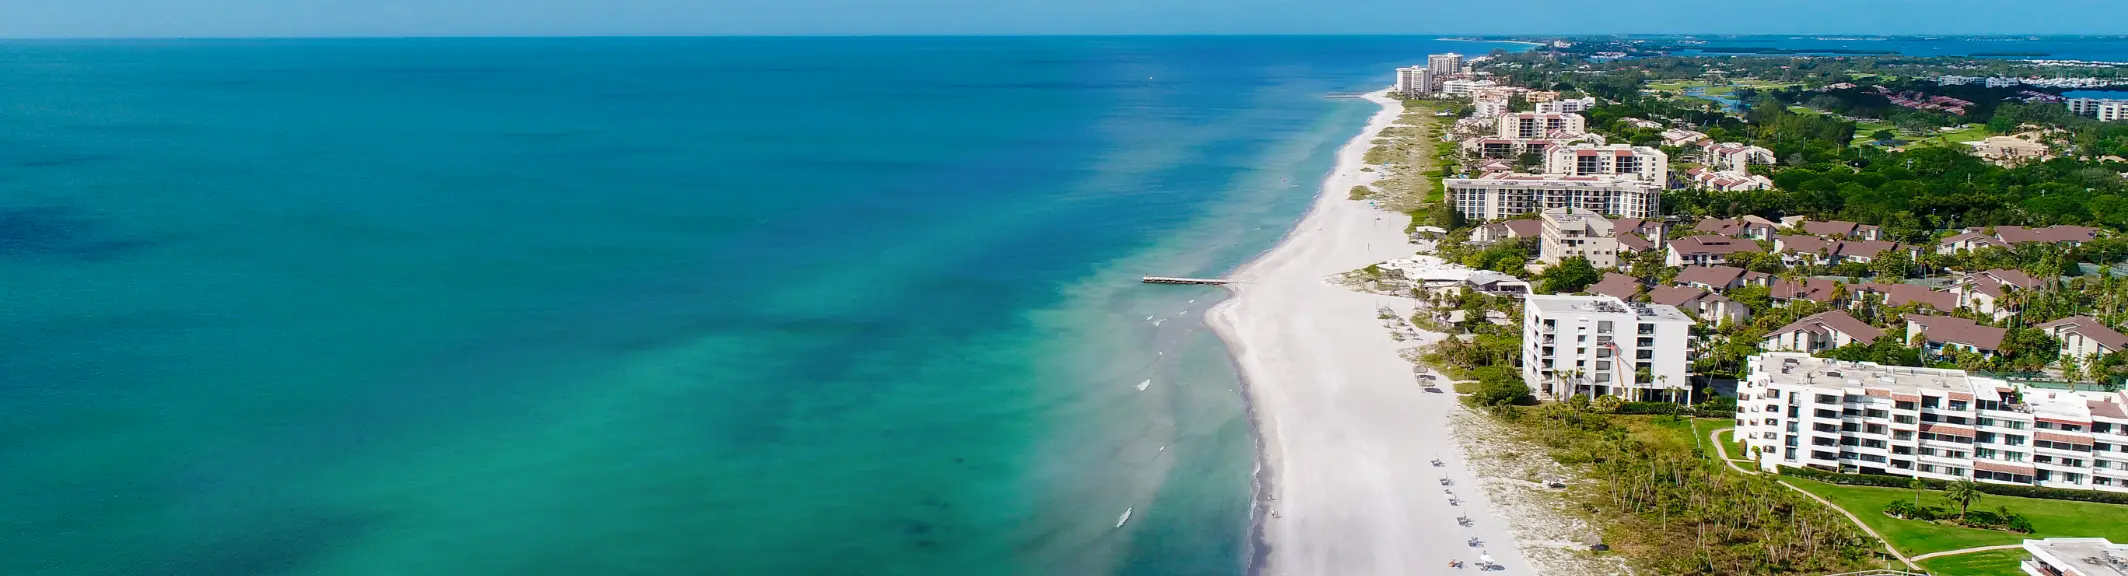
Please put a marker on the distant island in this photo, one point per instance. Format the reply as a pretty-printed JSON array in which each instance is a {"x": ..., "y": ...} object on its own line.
[
  {"x": 1765, "y": 50},
  {"x": 2010, "y": 54}
]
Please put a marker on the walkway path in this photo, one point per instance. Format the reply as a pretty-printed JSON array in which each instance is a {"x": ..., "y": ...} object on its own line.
[
  {"x": 1968, "y": 551},
  {"x": 1723, "y": 451}
]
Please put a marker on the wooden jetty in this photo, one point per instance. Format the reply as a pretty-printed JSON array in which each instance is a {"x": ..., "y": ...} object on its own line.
[{"x": 1173, "y": 280}]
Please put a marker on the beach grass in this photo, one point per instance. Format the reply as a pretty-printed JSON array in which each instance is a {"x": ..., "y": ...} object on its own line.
[
  {"x": 1989, "y": 563},
  {"x": 2050, "y": 518}
]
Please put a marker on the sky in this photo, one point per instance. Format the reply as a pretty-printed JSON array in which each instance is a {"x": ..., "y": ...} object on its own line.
[{"x": 313, "y": 18}]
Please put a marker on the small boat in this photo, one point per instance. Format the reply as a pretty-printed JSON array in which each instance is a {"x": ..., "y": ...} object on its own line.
[
  {"x": 1124, "y": 518},
  {"x": 1162, "y": 449},
  {"x": 1142, "y": 385}
]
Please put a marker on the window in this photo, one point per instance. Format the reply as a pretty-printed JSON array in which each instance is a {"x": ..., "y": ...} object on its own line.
[
  {"x": 1959, "y": 405},
  {"x": 1931, "y": 402},
  {"x": 1902, "y": 435},
  {"x": 2013, "y": 440},
  {"x": 1647, "y": 329},
  {"x": 1903, "y": 419},
  {"x": 1988, "y": 453},
  {"x": 1644, "y": 354},
  {"x": 1984, "y": 437},
  {"x": 1828, "y": 399},
  {"x": 2102, "y": 427},
  {"x": 1985, "y": 422},
  {"x": 1875, "y": 413},
  {"x": 1851, "y": 399},
  {"x": 1822, "y": 413},
  {"x": 1902, "y": 405},
  {"x": 1603, "y": 327},
  {"x": 1874, "y": 429},
  {"x": 1850, "y": 412},
  {"x": 1645, "y": 342}
]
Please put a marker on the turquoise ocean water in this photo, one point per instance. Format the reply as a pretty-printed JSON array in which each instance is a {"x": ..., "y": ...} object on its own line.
[{"x": 655, "y": 307}]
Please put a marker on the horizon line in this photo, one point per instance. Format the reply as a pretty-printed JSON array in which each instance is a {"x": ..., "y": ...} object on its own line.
[{"x": 1437, "y": 36}]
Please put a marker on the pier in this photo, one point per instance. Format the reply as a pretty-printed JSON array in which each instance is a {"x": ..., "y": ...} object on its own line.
[{"x": 1173, "y": 280}]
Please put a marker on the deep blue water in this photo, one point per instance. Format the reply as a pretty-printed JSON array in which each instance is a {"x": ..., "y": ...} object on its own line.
[{"x": 657, "y": 306}]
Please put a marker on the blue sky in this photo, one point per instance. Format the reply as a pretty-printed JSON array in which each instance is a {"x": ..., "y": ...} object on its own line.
[{"x": 252, "y": 18}]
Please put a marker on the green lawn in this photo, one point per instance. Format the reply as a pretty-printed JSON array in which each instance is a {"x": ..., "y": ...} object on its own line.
[
  {"x": 2050, "y": 518},
  {"x": 1701, "y": 427},
  {"x": 1989, "y": 563}
]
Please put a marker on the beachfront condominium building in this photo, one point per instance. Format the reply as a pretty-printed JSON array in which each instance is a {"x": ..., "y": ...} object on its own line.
[
  {"x": 1463, "y": 88},
  {"x": 1414, "y": 81},
  {"x": 1567, "y": 106},
  {"x": 1535, "y": 125},
  {"x": 1640, "y": 162},
  {"x": 2103, "y": 109},
  {"x": 1601, "y": 345},
  {"x": 1797, "y": 410},
  {"x": 1505, "y": 194},
  {"x": 1574, "y": 232},
  {"x": 1444, "y": 64}
]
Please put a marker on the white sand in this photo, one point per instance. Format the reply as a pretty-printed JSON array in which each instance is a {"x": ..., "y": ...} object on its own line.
[{"x": 1348, "y": 435}]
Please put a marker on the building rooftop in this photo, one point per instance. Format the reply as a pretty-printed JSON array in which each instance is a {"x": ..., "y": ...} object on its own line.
[
  {"x": 1605, "y": 305},
  {"x": 2085, "y": 556},
  {"x": 1799, "y": 369}
]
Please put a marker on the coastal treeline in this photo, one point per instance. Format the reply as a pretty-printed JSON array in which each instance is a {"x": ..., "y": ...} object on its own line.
[{"x": 1673, "y": 510}]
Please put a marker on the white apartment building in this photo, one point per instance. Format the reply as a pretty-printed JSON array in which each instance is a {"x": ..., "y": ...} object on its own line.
[
  {"x": 1732, "y": 156},
  {"x": 1571, "y": 232},
  {"x": 1414, "y": 81},
  {"x": 1489, "y": 108},
  {"x": 1444, "y": 64},
  {"x": 1640, "y": 162},
  {"x": 2104, "y": 109},
  {"x": 1568, "y": 106},
  {"x": 1502, "y": 194},
  {"x": 1861, "y": 417},
  {"x": 1597, "y": 345},
  {"x": 1527, "y": 125},
  {"x": 1463, "y": 88}
]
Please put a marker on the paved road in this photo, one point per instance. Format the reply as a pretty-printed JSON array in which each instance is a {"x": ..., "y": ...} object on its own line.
[{"x": 1968, "y": 551}]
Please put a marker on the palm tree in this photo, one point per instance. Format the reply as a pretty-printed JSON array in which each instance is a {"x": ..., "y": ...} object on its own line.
[
  {"x": 1917, "y": 486},
  {"x": 1964, "y": 492}
]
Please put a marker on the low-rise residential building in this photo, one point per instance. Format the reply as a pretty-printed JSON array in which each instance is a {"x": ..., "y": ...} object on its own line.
[
  {"x": 1796, "y": 410},
  {"x": 1641, "y": 123},
  {"x": 1502, "y": 195},
  {"x": 1941, "y": 333},
  {"x": 1721, "y": 278},
  {"x": 2075, "y": 557},
  {"x": 1682, "y": 138},
  {"x": 1905, "y": 294},
  {"x": 1640, "y": 162},
  {"x": 1785, "y": 292},
  {"x": 1750, "y": 226},
  {"x": 1733, "y": 156},
  {"x": 2083, "y": 337},
  {"x": 1600, "y": 345},
  {"x": 1577, "y": 233},
  {"x": 1506, "y": 230},
  {"x": 1725, "y": 180},
  {"x": 1842, "y": 229},
  {"x": 1989, "y": 292},
  {"x": 1566, "y": 106},
  {"x": 1820, "y": 332},
  {"x": 1706, "y": 250},
  {"x": 1616, "y": 285},
  {"x": 1710, "y": 307},
  {"x": 1798, "y": 249},
  {"x": 2006, "y": 236},
  {"x": 1493, "y": 108}
]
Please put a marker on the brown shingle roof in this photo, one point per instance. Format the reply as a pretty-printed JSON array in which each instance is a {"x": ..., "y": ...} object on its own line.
[
  {"x": 1955, "y": 330},
  {"x": 1815, "y": 290},
  {"x": 1525, "y": 228},
  {"x": 1713, "y": 245},
  {"x": 2090, "y": 328},
  {"x": 1716, "y": 276},
  {"x": 1904, "y": 294},
  {"x": 1615, "y": 284},
  {"x": 1679, "y": 296},
  {"x": 1991, "y": 282},
  {"x": 1826, "y": 322},
  {"x": 2050, "y": 234},
  {"x": 1634, "y": 242},
  {"x": 1831, "y": 228}
]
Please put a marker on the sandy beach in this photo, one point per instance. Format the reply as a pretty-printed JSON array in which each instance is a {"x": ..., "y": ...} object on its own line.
[{"x": 1348, "y": 437}]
